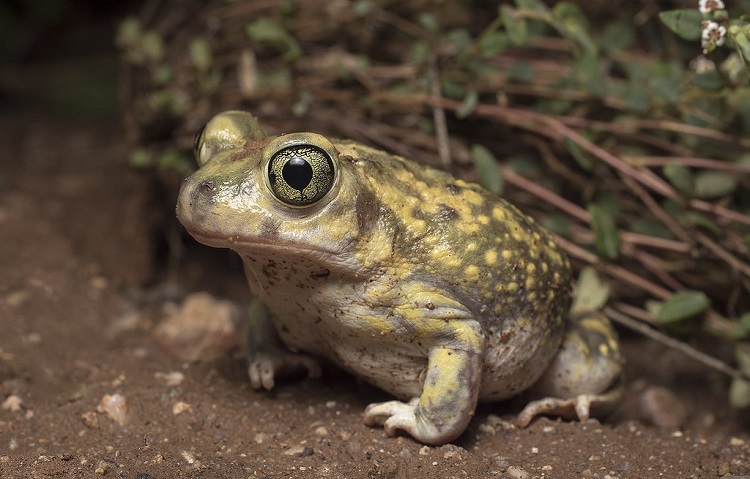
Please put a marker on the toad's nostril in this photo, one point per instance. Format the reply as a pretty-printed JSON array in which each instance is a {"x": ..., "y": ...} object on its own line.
[{"x": 207, "y": 187}]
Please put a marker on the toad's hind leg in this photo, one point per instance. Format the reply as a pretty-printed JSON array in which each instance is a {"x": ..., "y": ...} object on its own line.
[{"x": 584, "y": 378}]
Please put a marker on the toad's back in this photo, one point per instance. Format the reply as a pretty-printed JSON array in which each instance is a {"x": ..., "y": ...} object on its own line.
[{"x": 432, "y": 231}]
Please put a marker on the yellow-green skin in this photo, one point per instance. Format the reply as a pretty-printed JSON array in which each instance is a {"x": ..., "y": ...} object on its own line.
[{"x": 426, "y": 286}]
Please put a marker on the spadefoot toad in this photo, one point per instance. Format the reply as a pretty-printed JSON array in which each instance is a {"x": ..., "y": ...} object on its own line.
[{"x": 428, "y": 287}]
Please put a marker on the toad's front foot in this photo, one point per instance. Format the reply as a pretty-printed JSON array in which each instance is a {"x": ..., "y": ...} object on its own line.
[
  {"x": 267, "y": 358},
  {"x": 394, "y": 416},
  {"x": 442, "y": 412},
  {"x": 397, "y": 416},
  {"x": 265, "y": 366}
]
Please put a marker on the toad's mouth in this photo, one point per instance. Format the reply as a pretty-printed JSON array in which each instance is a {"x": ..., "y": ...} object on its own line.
[
  {"x": 243, "y": 244},
  {"x": 259, "y": 246}
]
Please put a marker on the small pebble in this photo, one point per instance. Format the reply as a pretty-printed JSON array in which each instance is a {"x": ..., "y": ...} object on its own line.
[
  {"x": 662, "y": 408},
  {"x": 204, "y": 328},
  {"x": 180, "y": 407},
  {"x": 307, "y": 452},
  {"x": 17, "y": 297},
  {"x": 736, "y": 441},
  {"x": 297, "y": 450},
  {"x": 171, "y": 379},
  {"x": 502, "y": 464},
  {"x": 517, "y": 473},
  {"x": 189, "y": 457},
  {"x": 102, "y": 468},
  {"x": 12, "y": 403},
  {"x": 495, "y": 423},
  {"x": 90, "y": 419},
  {"x": 115, "y": 406}
]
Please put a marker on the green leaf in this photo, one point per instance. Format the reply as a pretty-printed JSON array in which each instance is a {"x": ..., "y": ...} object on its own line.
[
  {"x": 362, "y": 8},
  {"x": 493, "y": 44},
  {"x": 680, "y": 177},
  {"x": 525, "y": 165},
  {"x": 666, "y": 81},
  {"x": 128, "y": 32},
  {"x": 571, "y": 22},
  {"x": 520, "y": 72},
  {"x": 739, "y": 393},
  {"x": 583, "y": 158},
  {"x": 741, "y": 101},
  {"x": 469, "y": 105},
  {"x": 302, "y": 105},
  {"x": 533, "y": 5},
  {"x": 591, "y": 292},
  {"x": 266, "y": 31},
  {"x": 200, "y": 54},
  {"x": 650, "y": 227},
  {"x": 608, "y": 201},
  {"x": 742, "y": 355},
  {"x": 606, "y": 236},
  {"x": 682, "y": 305},
  {"x": 559, "y": 224},
  {"x": 637, "y": 98},
  {"x": 140, "y": 159},
  {"x": 420, "y": 52},
  {"x": 161, "y": 75},
  {"x": 461, "y": 39},
  {"x": 487, "y": 169},
  {"x": 710, "y": 80},
  {"x": 429, "y": 22},
  {"x": 714, "y": 184},
  {"x": 515, "y": 27},
  {"x": 686, "y": 23},
  {"x": 617, "y": 36},
  {"x": 175, "y": 160},
  {"x": 588, "y": 72},
  {"x": 698, "y": 219},
  {"x": 152, "y": 46},
  {"x": 739, "y": 330},
  {"x": 739, "y": 390},
  {"x": 741, "y": 38}
]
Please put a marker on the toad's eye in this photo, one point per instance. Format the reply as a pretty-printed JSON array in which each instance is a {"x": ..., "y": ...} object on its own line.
[
  {"x": 300, "y": 174},
  {"x": 199, "y": 149},
  {"x": 228, "y": 131}
]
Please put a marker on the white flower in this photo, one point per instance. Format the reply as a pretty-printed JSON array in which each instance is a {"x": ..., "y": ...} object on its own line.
[
  {"x": 709, "y": 6},
  {"x": 712, "y": 36},
  {"x": 702, "y": 64}
]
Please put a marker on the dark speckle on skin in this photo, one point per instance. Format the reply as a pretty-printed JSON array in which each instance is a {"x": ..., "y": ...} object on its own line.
[
  {"x": 320, "y": 274},
  {"x": 448, "y": 213},
  {"x": 453, "y": 188},
  {"x": 269, "y": 228},
  {"x": 368, "y": 211}
]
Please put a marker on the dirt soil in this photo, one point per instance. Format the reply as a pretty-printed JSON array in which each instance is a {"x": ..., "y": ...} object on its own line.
[{"x": 77, "y": 330}]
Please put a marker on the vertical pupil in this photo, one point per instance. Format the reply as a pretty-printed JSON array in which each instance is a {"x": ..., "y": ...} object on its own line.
[{"x": 297, "y": 173}]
